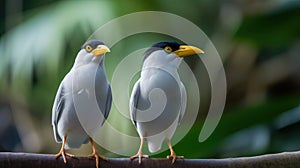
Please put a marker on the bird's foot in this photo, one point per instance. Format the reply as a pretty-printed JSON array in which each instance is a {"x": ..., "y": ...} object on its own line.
[
  {"x": 140, "y": 156},
  {"x": 63, "y": 154},
  {"x": 97, "y": 156},
  {"x": 173, "y": 156}
]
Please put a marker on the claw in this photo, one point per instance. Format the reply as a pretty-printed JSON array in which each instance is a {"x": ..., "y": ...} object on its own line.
[
  {"x": 95, "y": 154},
  {"x": 62, "y": 151},
  {"x": 140, "y": 156},
  {"x": 174, "y": 157},
  {"x": 173, "y": 154},
  {"x": 63, "y": 154},
  {"x": 140, "y": 153}
]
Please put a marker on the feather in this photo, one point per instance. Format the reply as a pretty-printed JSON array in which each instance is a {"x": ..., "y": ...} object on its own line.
[{"x": 134, "y": 99}]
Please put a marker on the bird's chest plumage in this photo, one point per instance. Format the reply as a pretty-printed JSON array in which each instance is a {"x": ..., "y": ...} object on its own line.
[
  {"x": 85, "y": 77},
  {"x": 81, "y": 112},
  {"x": 158, "y": 78},
  {"x": 159, "y": 88}
]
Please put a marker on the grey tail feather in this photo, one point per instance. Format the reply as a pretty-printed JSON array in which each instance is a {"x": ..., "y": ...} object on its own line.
[
  {"x": 75, "y": 144},
  {"x": 154, "y": 144},
  {"x": 72, "y": 146}
]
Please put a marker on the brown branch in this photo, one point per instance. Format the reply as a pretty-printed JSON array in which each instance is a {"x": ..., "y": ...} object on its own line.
[{"x": 24, "y": 160}]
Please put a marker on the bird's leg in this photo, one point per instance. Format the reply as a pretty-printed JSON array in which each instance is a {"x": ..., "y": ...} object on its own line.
[
  {"x": 62, "y": 151},
  {"x": 140, "y": 152},
  {"x": 95, "y": 154},
  {"x": 173, "y": 154}
]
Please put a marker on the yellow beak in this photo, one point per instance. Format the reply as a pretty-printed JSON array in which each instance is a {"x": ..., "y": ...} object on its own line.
[
  {"x": 184, "y": 51},
  {"x": 101, "y": 49}
]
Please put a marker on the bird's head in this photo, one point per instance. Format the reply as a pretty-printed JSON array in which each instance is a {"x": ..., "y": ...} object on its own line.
[
  {"x": 169, "y": 52},
  {"x": 91, "y": 51}
]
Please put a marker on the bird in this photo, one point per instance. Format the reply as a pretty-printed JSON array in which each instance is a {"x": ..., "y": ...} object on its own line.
[
  {"x": 158, "y": 98},
  {"x": 87, "y": 77}
]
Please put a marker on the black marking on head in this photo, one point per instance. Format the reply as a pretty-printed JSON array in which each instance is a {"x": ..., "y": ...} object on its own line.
[
  {"x": 92, "y": 43},
  {"x": 161, "y": 46}
]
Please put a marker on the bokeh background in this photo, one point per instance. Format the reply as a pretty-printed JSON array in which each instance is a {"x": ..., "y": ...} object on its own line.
[{"x": 258, "y": 41}]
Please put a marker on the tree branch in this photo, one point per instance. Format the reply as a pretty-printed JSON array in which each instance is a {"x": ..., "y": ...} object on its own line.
[{"x": 24, "y": 160}]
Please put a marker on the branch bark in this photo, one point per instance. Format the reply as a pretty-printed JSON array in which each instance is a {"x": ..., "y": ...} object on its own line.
[{"x": 24, "y": 160}]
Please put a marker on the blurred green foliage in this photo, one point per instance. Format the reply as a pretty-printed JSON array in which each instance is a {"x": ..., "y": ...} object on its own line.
[
  {"x": 278, "y": 28},
  {"x": 259, "y": 43}
]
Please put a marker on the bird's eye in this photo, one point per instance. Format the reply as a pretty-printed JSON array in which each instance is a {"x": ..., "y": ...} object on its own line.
[
  {"x": 168, "y": 49},
  {"x": 88, "y": 48}
]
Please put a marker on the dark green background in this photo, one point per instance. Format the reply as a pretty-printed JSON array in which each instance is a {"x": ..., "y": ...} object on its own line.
[{"x": 259, "y": 42}]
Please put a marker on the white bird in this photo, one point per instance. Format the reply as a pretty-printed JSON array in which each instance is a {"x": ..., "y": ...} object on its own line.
[
  {"x": 158, "y": 99},
  {"x": 74, "y": 119}
]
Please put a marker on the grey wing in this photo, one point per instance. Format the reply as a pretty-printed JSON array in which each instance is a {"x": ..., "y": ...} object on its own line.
[
  {"x": 57, "y": 109},
  {"x": 183, "y": 102},
  {"x": 104, "y": 100},
  {"x": 108, "y": 102},
  {"x": 134, "y": 100}
]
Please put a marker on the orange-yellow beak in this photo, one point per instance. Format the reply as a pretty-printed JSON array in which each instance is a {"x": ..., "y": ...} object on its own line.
[
  {"x": 101, "y": 49},
  {"x": 185, "y": 50}
]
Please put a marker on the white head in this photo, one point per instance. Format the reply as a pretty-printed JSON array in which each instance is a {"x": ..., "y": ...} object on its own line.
[{"x": 91, "y": 51}]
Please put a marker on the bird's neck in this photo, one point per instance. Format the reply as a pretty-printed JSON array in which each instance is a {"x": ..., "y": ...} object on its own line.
[
  {"x": 153, "y": 67},
  {"x": 96, "y": 63},
  {"x": 170, "y": 65},
  {"x": 88, "y": 60}
]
